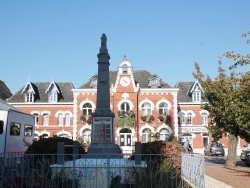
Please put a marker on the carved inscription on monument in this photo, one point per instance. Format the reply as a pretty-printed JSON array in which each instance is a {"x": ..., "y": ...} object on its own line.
[{"x": 102, "y": 129}]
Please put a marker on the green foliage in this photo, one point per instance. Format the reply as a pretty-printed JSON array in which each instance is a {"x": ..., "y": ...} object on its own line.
[
  {"x": 125, "y": 122},
  {"x": 164, "y": 118},
  {"x": 83, "y": 118},
  {"x": 229, "y": 102},
  {"x": 147, "y": 118},
  {"x": 229, "y": 106},
  {"x": 170, "y": 150},
  {"x": 160, "y": 156}
]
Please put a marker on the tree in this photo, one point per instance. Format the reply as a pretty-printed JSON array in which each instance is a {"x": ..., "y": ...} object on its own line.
[
  {"x": 229, "y": 103},
  {"x": 240, "y": 60}
]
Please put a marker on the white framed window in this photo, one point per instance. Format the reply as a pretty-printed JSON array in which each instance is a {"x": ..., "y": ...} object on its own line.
[
  {"x": 196, "y": 95},
  {"x": 189, "y": 119},
  {"x": 87, "y": 109},
  {"x": 163, "y": 108},
  {"x": 164, "y": 134},
  {"x": 86, "y": 136},
  {"x": 146, "y": 135},
  {"x": 181, "y": 116},
  {"x": 29, "y": 97},
  {"x": 64, "y": 136},
  {"x": 67, "y": 119},
  {"x": 125, "y": 107},
  {"x": 45, "y": 119},
  {"x": 53, "y": 96},
  {"x": 204, "y": 118},
  {"x": 146, "y": 109},
  {"x": 36, "y": 119},
  {"x": 60, "y": 119}
]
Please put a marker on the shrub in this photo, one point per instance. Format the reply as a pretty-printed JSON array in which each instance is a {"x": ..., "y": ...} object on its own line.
[
  {"x": 169, "y": 151},
  {"x": 46, "y": 146}
]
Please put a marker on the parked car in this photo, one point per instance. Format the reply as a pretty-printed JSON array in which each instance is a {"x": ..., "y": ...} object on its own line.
[
  {"x": 214, "y": 148},
  {"x": 245, "y": 154}
]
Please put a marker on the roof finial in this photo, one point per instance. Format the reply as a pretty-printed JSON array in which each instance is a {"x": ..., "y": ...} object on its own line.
[{"x": 124, "y": 58}]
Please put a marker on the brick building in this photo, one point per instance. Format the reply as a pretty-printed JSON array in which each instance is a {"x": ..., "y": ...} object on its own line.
[{"x": 152, "y": 108}]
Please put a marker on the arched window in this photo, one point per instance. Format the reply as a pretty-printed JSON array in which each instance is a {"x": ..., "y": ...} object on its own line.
[
  {"x": 67, "y": 119},
  {"x": 64, "y": 136},
  {"x": 189, "y": 119},
  {"x": 36, "y": 118},
  {"x": 164, "y": 134},
  {"x": 87, "y": 109},
  {"x": 124, "y": 69},
  {"x": 182, "y": 118},
  {"x": 53, "y": 95},
  {"x": 146, "y": 109},
  {"x": 204, "y": 118},
  {"x": 60, "y": 119},
  {"x": 45, "y": 119},
  {"x": 163, "y": 108},
  {"x": 86, "y": 136},
  {"x": 125, "y": 107},
  {"x": 146, "y": 135}
]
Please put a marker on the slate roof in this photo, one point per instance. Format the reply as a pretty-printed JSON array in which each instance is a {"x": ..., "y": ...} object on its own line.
[
  {"x": 40, "y": 88},
  {"x": 184, "y": 94},
  {"x": 140, "y": 76},
  {"x": 5, "y": 106},
  {"x": 5, "y": 93}
]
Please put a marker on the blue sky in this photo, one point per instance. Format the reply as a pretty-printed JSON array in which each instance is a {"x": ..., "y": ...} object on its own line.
[{"x": 59, "y": 40}]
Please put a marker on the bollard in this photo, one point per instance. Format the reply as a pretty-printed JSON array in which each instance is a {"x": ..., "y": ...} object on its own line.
[
  {"x": 60, "y": 152},
  {"x": 137, "y": 153},
  {"x": 75, "y": 150}
]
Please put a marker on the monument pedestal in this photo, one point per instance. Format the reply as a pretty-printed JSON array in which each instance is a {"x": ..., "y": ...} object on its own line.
[
  {"x": 98, "y": 173},
  {"x": 103, "y": 150}
]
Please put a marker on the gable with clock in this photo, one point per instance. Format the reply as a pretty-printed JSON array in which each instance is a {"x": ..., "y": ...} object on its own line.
[{"x": 125, "y": 81}]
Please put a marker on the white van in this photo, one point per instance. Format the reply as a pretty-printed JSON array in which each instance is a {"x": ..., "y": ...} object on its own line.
[{"x": 16, "y": 129}]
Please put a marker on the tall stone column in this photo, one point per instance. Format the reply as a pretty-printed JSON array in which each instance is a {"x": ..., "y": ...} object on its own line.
[{"x": 102, "y": 135}]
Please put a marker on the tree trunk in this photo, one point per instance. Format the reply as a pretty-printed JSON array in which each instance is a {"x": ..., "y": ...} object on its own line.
[{"x": 232, "y": 151}]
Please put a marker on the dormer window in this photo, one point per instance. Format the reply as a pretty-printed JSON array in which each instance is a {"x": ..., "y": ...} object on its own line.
[
  {"x": 29, "y": 97},
  {"x": 124, "y": 69},
  {"x": 53, "y": 96},
  {"x": 196, "y": 95},
  {"x": 154, "y": 82},
  {"x": 29, "y": 92},
  {"x": 53, "y": 91},
  {"x": 93, "y": 83}
]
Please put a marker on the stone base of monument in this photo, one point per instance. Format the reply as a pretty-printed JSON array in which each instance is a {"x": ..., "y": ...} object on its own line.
[
  {"x": 99, "y": 173},
  {"x": 103, "y": 150}
]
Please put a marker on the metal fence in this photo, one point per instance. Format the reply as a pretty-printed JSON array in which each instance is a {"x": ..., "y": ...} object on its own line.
[
  {"x": 45, "y": 171},
  {"x": 192, "y": 169}
]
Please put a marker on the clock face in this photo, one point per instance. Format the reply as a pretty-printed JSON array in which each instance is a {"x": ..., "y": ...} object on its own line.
[{"x": 125, "y": 81}]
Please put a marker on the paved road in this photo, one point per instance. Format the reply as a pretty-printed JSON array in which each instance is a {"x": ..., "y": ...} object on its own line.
[{"x": 220, "y": 161}]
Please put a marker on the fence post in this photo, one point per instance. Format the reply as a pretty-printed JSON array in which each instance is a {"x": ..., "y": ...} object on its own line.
[
  {"x": 75, "y": 150},
  {"x": 60, "y": 152},
  {"x": 137, "y": 153}
]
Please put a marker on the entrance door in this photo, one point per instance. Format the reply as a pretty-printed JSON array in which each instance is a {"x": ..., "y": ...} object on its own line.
[{"x": 125, "y": 137}]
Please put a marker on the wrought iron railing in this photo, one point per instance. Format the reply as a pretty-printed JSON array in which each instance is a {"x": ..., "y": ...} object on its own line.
[
  {"x": 45, "y": 171},
  {"x": 192, "y": 169}
]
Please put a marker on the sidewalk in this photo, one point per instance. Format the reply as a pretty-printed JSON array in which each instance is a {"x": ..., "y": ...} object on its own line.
[
  {"x": 213, "y": 183},
  {"x": 220, "y": 176}
]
